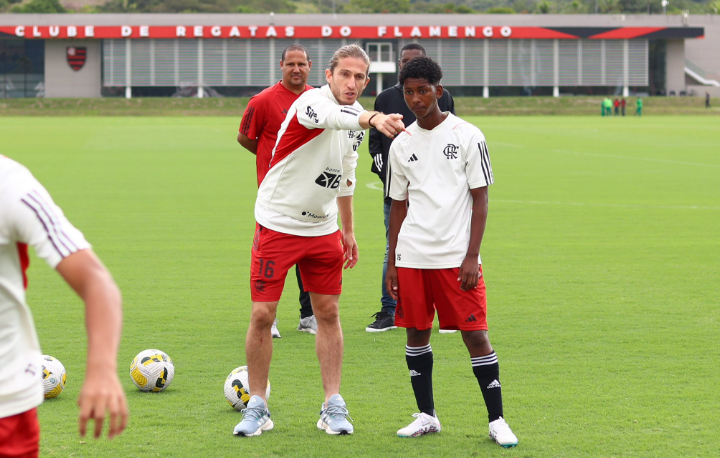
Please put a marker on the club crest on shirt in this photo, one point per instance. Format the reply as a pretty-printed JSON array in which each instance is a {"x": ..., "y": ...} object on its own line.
[{"x": 451, "y": 151}]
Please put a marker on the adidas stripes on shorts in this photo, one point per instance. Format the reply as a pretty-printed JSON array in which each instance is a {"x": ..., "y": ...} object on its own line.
[{"x": 422, "y": 291}]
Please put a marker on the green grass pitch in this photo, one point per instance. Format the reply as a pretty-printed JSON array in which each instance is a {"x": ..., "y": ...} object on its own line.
[{"x": 601, "y": 258}]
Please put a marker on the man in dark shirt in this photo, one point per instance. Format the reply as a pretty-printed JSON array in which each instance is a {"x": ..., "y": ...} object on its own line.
[{"x": 391, "y": 100}]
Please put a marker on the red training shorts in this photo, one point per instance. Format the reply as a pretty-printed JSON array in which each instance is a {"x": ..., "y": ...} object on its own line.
[
  {"x": 422, "y": 291},
  {"x": 20, "y": 435},
  {"x": 320, "y": 260}
]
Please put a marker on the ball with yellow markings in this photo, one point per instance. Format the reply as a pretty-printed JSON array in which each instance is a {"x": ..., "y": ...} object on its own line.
[
  {"x": 53, "y": 376},
  {"x": 237, "y": 391},
  {"x": 152, "y": 370}
]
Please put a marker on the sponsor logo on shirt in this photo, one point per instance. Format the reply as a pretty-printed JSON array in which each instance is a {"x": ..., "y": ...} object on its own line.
[
  {"x": 330, "y": 178},
  {"x": 413, "y": 158},
  {"x": 313, "y": 215},
  {"x": 312, "y": 115},
  {"x": 451, "y": 151}
]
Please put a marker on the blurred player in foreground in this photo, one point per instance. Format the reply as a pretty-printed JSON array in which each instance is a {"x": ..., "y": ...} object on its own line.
[
  {"x": 29, "y": 217},
  {"x": 311, "y": 179},
  {"x": 258, "y": 133},
  {"x": 442, "y": 166}
]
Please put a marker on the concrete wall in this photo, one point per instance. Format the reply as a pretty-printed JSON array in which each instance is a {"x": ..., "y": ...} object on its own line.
[
  {"x": 61, "y": 80},
  {"x": 675, "y": 66},
  {"x": 705, "y": 53}
]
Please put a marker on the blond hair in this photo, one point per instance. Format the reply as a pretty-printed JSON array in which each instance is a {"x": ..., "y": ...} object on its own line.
[{"x": 352, "y": 50}]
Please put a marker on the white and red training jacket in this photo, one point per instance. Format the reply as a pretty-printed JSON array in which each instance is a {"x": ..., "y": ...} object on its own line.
[{"x": 313, "y": 164}]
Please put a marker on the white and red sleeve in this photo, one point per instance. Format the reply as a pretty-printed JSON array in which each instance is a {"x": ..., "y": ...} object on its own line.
[
  {"x": 316, "y": 110},
  {"x": 38, "y": 222}
]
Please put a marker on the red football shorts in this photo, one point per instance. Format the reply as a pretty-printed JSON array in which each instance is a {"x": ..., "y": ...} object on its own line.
[
  {"x": 320, "y": 260},
  {"x": 422, "y": 291},
  {"x": 20, "y": 435}
]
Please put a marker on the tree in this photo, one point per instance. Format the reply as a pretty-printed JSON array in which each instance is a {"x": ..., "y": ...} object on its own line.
[
  {"x": 500, "y": 10},
  {"x": 543, "y": 7},
  {"x": 379, "y": 6},
  {"x": 39, "y": 6}
]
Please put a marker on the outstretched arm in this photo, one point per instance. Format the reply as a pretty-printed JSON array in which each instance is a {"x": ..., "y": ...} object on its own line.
[
  {"x": 101, "y": 391},
  {"x": 469, "y": 274}
]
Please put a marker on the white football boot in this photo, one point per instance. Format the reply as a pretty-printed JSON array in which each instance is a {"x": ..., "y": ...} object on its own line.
[
  {"x": 274, "y": 330},
  {"x": 423, "y": 424},
  {"x": 501, "y": 433}
]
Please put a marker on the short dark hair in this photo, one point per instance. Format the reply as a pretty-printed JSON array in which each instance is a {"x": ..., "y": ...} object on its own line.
[
  {"x": 421, "y": 67},
  {"x": 410, "y": 46},
  {"x": 294, "y": 47}
]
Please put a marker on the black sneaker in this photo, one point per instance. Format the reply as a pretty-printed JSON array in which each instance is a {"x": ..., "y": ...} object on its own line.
[{"x": 384, "y": 321}]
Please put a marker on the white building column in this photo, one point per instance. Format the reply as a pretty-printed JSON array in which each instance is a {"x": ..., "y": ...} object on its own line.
[
  {"x": 486, "y": 69},
  {"x": 556, "y": 68},
  {"x": 128, "y": 69},
  {"x": 201, "y": 71},
  {"x": 626, "y": 68},
  {"x": 378, "y": 83}
]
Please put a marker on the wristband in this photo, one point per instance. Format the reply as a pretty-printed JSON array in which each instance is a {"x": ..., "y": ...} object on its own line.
[{"x": 370, "y": 120}]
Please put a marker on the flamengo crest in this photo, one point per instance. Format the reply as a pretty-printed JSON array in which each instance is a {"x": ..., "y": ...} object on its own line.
[{"x": 76, "y": 57}]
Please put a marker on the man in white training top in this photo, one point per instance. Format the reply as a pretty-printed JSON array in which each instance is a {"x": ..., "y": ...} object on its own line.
[
  {"x": 311, "y": 179},
  {"x": 29, "y": 217}
]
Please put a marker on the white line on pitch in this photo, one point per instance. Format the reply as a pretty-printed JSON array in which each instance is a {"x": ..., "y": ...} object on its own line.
[
  {"x": 637, "y": 158},
  {"x": 374, "y": 185},
  {"x": 584, "y": 204}
]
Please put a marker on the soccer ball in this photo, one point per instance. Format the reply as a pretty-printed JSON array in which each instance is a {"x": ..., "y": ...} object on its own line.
[
  {"x": 54, "y": 377},
  {"x": 152, "y": 370},
  {"x": 237, "y": 392}
]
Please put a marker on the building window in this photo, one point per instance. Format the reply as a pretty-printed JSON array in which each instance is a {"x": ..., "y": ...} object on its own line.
[{"x": 22, "y": 68}]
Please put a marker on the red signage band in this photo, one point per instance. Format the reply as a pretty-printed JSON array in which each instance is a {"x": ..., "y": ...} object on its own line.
[{"x": 354, "y": 32}]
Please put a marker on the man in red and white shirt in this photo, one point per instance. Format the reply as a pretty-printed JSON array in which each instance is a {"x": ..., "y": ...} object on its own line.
[
  {"x": 258, "y": 134},
  {"x": 311, "y": 179},
  {"x": 29, "y": 217}
]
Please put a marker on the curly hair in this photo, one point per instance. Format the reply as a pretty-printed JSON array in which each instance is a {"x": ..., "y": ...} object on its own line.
[{"x": 422, "y": 67}]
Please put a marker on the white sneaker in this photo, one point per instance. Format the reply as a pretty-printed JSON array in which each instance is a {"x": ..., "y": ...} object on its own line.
[
  {"x": 448, "y": 331},
  {"x": 501, "y": 433},
  {"x": 274, "y": 330},
  {"x": 423, "y": 424},
  {"x": 308, "y": 324}
]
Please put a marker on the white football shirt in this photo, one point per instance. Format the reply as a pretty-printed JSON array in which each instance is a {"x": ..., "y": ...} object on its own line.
[
  {"x": 434, "y": 170},
  {"x": 28, "y": 217}
]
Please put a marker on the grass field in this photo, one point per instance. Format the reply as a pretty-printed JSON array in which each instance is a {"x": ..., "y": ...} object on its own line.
[{"x": 602, "y": 260}]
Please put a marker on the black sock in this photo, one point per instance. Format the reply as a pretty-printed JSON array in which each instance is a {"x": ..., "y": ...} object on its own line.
[
  {"x": 420, "y": 363},
  {"x": 487, "y": 372}
]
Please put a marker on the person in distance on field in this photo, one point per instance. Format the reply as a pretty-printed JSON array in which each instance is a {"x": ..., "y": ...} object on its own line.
[
  {"x": 311, "y": 179},
  {"x": 442, "y": 167},
  {"x": 29, "y": 217},
  {"x": 391, "y": 100},
  {"x": 258, "y": 132}
]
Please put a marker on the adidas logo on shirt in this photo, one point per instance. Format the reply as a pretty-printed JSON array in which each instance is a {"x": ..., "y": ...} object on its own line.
[
  {"x": 413, "y": 158},
  {"x": 414, "y": 373},
  {"x": 471, "y": 318},
  {"x": 494, "y": 384}
]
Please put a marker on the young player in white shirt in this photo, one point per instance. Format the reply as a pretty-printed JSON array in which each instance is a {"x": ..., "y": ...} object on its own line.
[
  {"x": 29, "y": 217},
  {"x": 438, "y": 176},
  {"x": 311, "y": 179}
]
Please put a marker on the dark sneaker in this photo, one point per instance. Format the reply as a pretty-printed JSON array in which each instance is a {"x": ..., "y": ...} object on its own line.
[{"x": 384, "y": 321}]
